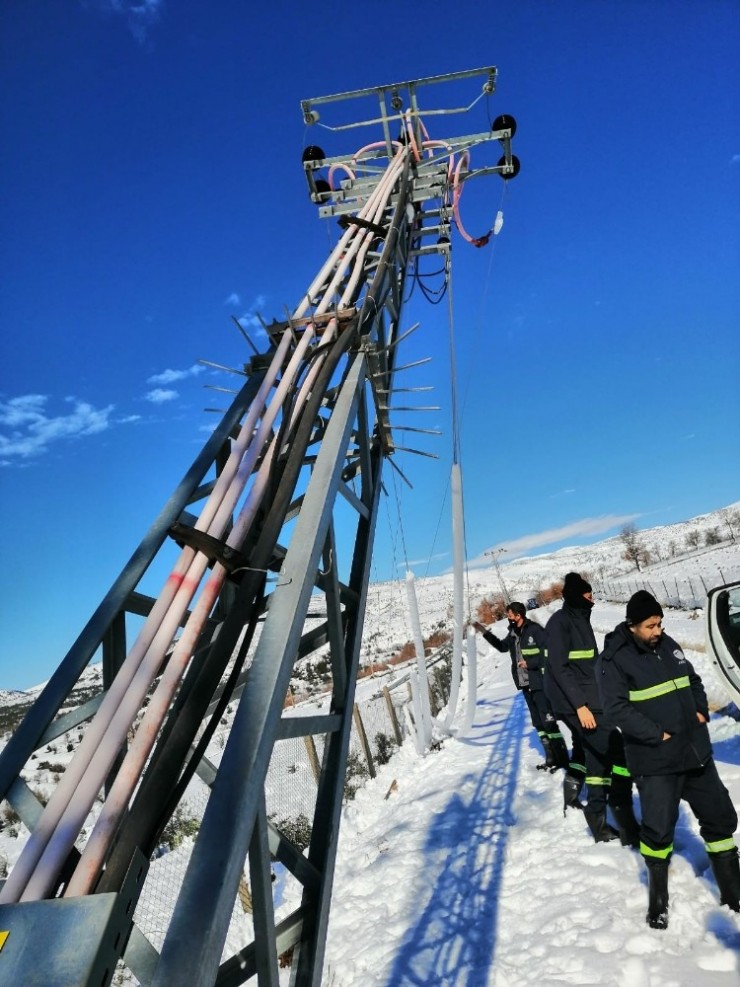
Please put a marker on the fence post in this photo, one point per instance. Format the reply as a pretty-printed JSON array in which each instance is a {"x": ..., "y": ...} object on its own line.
[
  {"x": 363, "y": 740},
  {"x": 313, "y": 758},
  {"x": 392, "y": 714}
]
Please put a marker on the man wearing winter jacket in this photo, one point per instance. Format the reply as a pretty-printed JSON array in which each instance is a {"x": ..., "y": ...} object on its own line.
[
  {"x": 570, "y": 685},
  {"x": 525, "y": 642},
  {"x": 656, "y": 699}
]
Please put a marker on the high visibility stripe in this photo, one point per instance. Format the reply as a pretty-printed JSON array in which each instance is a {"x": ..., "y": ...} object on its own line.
[
  {"x": 574, "y": 766},
  {"x": 671, "y": 685},
  {"x": 575, "y": 655},
  {"x": 617, "y": 769},
  {"x": 595, "y": 780},
  {"x": 530, "y": 651},
  {"x": 647, "y": 851},
  {"x": 720, "y": 846},
  {"x": 555, "y": 736}
]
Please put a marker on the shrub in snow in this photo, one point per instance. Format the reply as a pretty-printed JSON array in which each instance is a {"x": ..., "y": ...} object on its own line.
[
  {"x": 357, "y": 772},
  {"x": 385, "y": 746},
  {"x": 179, "y": 828},
  {"x": 297, "y": 830}
]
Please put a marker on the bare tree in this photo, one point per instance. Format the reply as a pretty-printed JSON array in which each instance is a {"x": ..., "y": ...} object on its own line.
[
  {"x": 732, "y": 520},
  {"x": 634, "y": 549},
  {"x": 693, "y": 538},
  {"x": 712, "y": 536}
]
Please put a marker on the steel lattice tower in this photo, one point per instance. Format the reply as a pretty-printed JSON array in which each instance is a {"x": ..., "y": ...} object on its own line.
[{"x": 305, "y": 438}]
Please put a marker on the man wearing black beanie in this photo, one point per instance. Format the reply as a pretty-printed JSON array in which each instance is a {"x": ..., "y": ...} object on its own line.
[
  {"x": 570, "y": 685},
  {"x": 656, "y": 699}
]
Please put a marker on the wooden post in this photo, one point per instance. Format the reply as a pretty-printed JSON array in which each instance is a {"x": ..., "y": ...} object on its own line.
[
  {"x": 363, "y": 740},
  {"x": 392, "y": 715},
  {"x": 245, "y": 895},
  {"x": 313, "y": 758}
]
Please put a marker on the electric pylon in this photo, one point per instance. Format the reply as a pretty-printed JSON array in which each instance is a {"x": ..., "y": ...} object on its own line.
[{"x": 299, "y": 453}]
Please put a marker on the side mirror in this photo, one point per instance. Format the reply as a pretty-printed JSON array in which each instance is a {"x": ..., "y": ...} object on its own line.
[{"x": 723, "y": 633}]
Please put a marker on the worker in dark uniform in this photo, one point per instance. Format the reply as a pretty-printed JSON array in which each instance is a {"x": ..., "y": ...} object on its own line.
[
  {"x": 654, "y": 696},
  {"x": 525, "y": 642},
  {"x": 570, "y": 685}
]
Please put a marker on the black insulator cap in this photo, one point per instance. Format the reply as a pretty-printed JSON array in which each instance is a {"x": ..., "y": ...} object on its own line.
[
  {"x": 504, "y": 122},
  {"x": 323, "y": 190},
  {"x": 313, "y": 153},
  {"x": 443, "y": 239},
  {"x": 514, "y": 164}
]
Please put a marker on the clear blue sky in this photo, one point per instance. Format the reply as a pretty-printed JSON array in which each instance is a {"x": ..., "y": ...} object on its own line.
[{"x": 152, "y": 187}]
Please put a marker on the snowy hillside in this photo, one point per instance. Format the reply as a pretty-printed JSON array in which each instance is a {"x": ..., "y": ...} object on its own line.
[{"x": 679, "y": 575}]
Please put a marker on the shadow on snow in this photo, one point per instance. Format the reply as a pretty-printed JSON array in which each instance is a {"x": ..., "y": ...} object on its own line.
[{"x": 453, "y": 940}]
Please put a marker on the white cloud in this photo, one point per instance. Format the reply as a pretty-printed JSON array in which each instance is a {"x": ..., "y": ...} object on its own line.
[
  {"x": 233, "y": 299},
  {"x": 250, "y": 320},
  {"x": 170, "y": 376},
  {"x": 140, "y": 15},
  {"x": 161, "y": 395},
  {"x": 586, "y": 527},
  {"x": 27, "y": 429},
  {"x": 22, "y": 410},
  {"x": 419, "y": 562}
]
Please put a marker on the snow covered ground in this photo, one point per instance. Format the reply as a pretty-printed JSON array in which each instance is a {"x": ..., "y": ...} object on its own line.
[{"x": 459, "y": 867}]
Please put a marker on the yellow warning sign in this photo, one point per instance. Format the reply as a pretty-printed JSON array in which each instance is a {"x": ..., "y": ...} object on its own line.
[{"x": 3, "y": 937}]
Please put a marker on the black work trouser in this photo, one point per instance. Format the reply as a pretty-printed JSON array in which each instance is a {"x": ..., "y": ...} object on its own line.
[
  {"x": 607, "y": 778},
  {"x": 577, "y": 766},
  {"x": 539, "y": 711},
  {"x": 708, "y": 799}
]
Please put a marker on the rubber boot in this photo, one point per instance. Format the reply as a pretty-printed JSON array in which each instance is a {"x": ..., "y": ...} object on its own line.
[
  {"x": 628, "y": 826},
  {"x": 601, "y": 831},
  {"x": 726, "y": 870},
  {"x": 657, "y": 913},
  {"x": 572, "y": 785}
]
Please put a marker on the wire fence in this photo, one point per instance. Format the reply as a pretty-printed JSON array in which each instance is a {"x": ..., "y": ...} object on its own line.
[
  {"x": 381, "y": 723},
  {"x": 683, "y": 592}
]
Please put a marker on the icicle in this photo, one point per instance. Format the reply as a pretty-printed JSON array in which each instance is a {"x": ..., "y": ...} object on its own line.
[
  {"x": 472, "y": 675},
  {"x": 425, "y": 723},
  {"x": 418, "y": 717},
  {"x": 457, "y": 620},
  {"x": 498, "y": 222}
]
